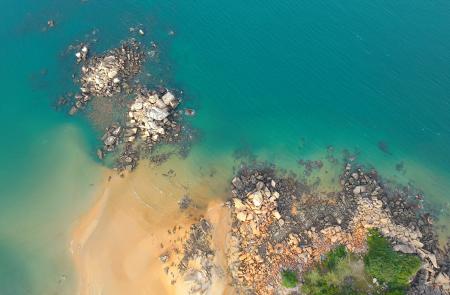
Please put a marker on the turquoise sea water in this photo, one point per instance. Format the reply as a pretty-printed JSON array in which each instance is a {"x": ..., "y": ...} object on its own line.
[{"x": 284, "y": 79}]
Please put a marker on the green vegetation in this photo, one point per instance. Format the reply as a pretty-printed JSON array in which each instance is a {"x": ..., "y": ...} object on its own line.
[
  {"x": 343, "y": 273},
  {"x": 387, "y": 266},
  {"x": 316, "y": 282},
  {"x": 289, "y": 279},
  {"x": 334, "y": 257},
  {"x": 339, "y": 273}
]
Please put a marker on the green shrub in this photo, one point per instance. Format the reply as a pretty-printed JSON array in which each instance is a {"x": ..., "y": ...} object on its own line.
[
  {"x": 289, "y": 279},
  {"x": 336, "y": 275},
  {"x": 344, "y": 273},
  {"x": 318, "y": 283},
  {"x": 387, "y": 266},
  {"x": 334, "y": 256}
]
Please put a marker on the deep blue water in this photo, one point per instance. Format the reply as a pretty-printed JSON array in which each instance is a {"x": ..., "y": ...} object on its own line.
[{"x": 285, "y": 79}]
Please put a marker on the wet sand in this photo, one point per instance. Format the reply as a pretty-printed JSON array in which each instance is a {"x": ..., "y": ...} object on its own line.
[{"x": 117, "y": 244}]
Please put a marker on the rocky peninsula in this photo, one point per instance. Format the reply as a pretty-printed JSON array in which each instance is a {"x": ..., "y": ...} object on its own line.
[{"x": 279, "y": 224}]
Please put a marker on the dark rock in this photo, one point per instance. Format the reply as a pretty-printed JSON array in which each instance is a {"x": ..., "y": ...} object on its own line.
[{"x": 185, "y": 202}]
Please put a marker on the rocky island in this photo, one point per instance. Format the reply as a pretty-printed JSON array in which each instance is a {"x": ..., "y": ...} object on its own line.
[{"x": 143, "y": 117}]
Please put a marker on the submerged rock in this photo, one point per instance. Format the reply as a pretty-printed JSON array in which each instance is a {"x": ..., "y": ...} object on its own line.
[
  {"x": 73, "y": 110},
  {"x": 100, "y": 154},
  {"x": 189, "y": 112}
]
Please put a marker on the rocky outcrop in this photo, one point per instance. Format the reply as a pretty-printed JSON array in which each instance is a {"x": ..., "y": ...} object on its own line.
[
  {"x": 111, "y": 138},
  {"x": 194, "y": 263},
  {"x": 198, "y": 249},
  {"x": 151, "y": 119},
  {"x": 279, "y": 224},
  {"x": 109, "y": 73},
  {"x": 150, "y": 115},
  {"x": 136, "y": 126},
  {"x": 262, "y": 241},
  {"x": 403, "y": 225}
]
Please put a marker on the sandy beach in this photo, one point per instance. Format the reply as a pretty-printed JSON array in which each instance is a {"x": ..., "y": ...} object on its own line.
[{"x": 116, "y": 245}]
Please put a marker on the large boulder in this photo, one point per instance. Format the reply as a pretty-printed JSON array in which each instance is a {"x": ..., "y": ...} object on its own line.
[
  {"x": 168, "y": 98},
  {"x": 237, "y": 182},
  {"x": 157, "y": 114},
  {"x": 442, "y": 280},
  {"x": 404, "y": 249},
  {"x": 257, "y": 198},
  {"x": 359, "y": 189},
  {"x": 110, "y": 140}
]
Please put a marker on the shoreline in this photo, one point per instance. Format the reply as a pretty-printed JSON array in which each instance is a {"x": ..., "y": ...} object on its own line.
[
  {"x": 116, "y": 246},
  {"x": 85, "y": 227},
  {"x": 144, "y": 234}
]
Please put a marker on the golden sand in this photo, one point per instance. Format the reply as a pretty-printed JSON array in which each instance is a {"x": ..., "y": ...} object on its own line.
[{"x": 117, "y": 244}]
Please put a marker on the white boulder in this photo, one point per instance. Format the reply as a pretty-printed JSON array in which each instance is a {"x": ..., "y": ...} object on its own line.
[{"x": 157, "y": 114}]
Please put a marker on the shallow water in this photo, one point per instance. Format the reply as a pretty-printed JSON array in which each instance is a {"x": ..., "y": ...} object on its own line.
[{"x": 283, "y": 80}]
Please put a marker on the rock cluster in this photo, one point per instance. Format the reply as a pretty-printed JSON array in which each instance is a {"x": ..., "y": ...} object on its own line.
[
  {"x": 107, "y": 74},
  {"x": 256, "y": 254},
  {"x": 149, "y": 115},
  {"x": 278, "y": 225},
  {"x": 194, "y": 262},
  {"x": 82, "y": 54},
  {"x": 110, "y": 139},
  {"x": 151, "y": 118},
  {"x": 128, "y": 158},
  {"x": 184, "y": 202},
  {"x": 402, "y": 224},
  {"x": 198, "y": 252}
]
